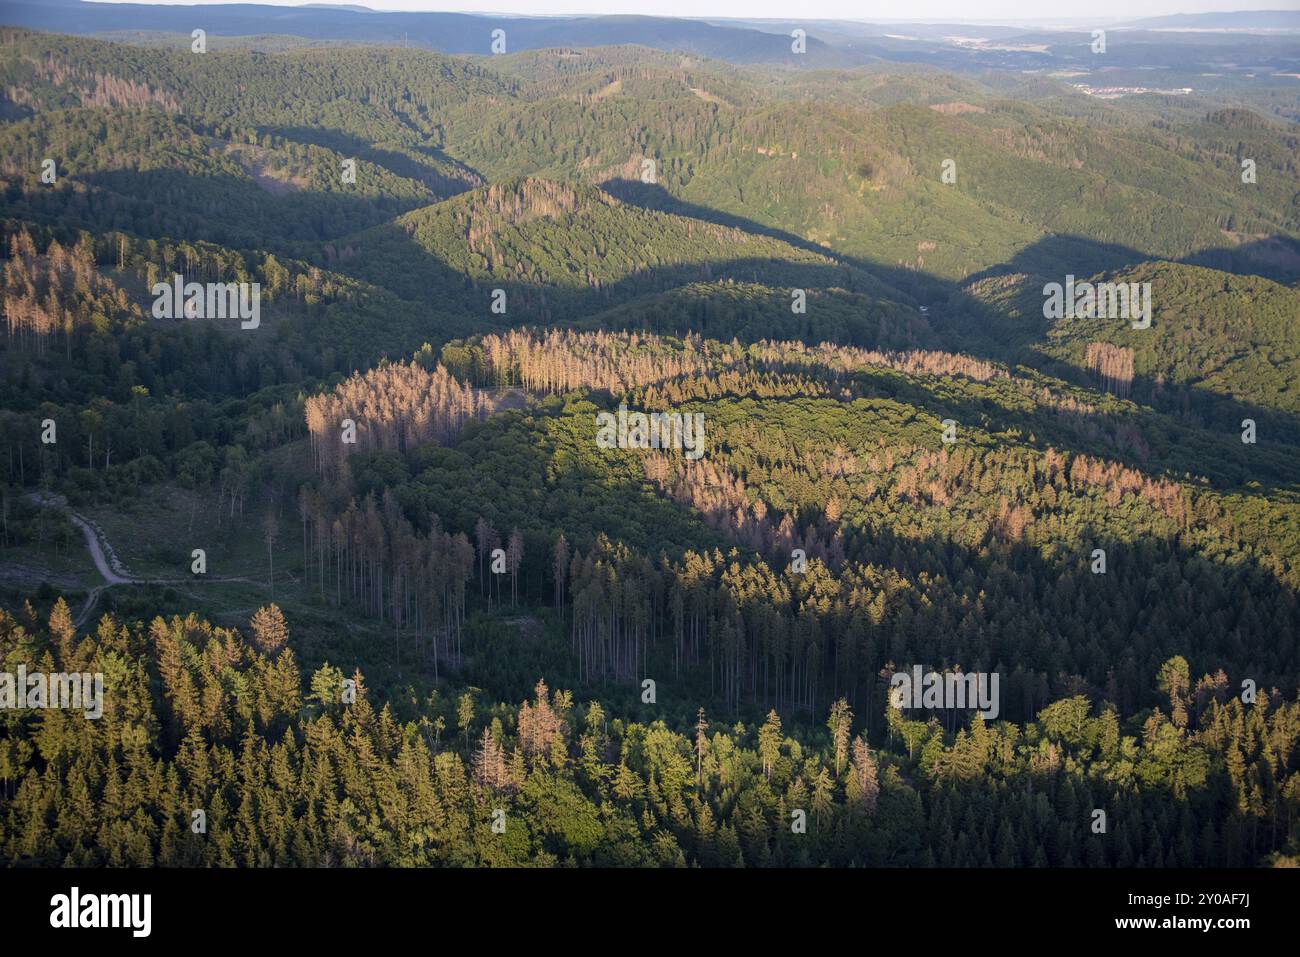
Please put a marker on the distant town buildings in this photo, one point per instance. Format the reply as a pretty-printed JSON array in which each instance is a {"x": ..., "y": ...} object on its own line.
[{"x": 1115, "y": 92}]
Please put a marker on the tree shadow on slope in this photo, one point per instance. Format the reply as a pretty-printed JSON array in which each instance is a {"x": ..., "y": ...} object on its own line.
[
  {"x": 974, "y": 327},
  {"x": 220, "y": 209},
  {"x": 446, "y": 177},
  {"x": 1059, "y": 629},
  {"x": 1157, "y": 443},
  {"x": 390, "y": 256},
  {"x": 1163, "y": 433}
]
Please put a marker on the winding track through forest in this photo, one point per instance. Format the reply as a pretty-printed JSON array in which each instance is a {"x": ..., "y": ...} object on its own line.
[{"x": 105, "y": 558}]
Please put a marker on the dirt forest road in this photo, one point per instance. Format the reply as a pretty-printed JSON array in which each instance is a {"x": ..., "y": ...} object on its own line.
[
  {"x": 101, "y": 553},
  {"x": 106, "y": 561},
  {"x": 97, "y": 551}
]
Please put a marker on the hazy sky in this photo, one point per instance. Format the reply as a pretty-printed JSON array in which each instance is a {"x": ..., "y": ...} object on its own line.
[{"x": 834, "y": 9}]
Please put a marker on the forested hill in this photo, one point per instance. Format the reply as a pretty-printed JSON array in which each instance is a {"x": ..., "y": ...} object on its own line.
[
  {"x": 446, "y": 32},
  {"x": 396, "y": 552},
  {"x": 864, "y": 181},
  {"x": 560, "y": 249},
  {"x": 1215, "y": 334}
]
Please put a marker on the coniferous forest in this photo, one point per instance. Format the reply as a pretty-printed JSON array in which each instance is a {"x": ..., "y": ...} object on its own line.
[{"x": 647, "y": 448}]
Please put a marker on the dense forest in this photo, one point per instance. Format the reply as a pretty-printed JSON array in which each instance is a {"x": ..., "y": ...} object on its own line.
[
  {"x": 286, "y": 773},
  {"x": 366, "y": 588}
]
